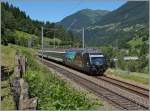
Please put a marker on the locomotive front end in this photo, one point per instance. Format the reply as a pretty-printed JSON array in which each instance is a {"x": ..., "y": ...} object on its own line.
[{"x": 98, "y": 64}]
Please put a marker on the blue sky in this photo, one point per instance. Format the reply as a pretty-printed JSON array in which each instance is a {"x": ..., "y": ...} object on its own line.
[{"x": 56, "y": 10}]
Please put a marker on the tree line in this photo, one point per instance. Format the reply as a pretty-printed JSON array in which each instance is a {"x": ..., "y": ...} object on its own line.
[
  {"x": 14, "y": 19},
  {"x": 136, "y": 47}
]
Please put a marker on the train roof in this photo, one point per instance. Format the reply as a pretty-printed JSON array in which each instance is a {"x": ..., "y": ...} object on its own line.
[{"x": 85, "y": 50}]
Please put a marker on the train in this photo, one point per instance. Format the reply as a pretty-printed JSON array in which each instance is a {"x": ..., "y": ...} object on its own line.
[{"x": 88, "y": 60}]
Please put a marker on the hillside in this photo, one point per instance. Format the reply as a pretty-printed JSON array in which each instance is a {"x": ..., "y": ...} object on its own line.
[
  {"x": 129, "y": 14},
  {"x": 83, "y": 18},
  {"x": 13, "y": 19},
  {"x": 115, "y": 28},
  {"x": 119, "y": 25}
]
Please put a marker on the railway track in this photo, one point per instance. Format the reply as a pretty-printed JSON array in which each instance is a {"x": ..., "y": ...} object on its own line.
[
  {"x": 117, "y": 100},
  {"x": 127, "y": 86}
]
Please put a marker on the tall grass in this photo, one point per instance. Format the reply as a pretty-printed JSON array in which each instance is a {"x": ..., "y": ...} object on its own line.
[
  {"x": 8, "y": 56},
  {"x": 142, "y": 78}
]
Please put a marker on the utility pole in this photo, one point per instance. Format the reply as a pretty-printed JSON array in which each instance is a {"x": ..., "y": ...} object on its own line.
[
  {"x": 83, "y": 37},
  {"x": 54, "y": 39},
  {"x": 117, "y": 50},
  {"x": 42, "y": 42}
]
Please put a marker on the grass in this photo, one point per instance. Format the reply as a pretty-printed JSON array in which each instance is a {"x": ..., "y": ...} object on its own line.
[
  {"x": 49, "y": 40},
  {"x": 23, "y": 38},
  {"x": 7, "y": 103},
  {"x": 8, "y": 56},
  {"x": 53, "y": 93},
  {"x": 8, "y": 59},
  {"x": 142, "y": 78}
]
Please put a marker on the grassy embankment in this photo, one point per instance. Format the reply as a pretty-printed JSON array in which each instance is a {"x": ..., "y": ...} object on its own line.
[
  {"x": 52, "y": 92},
  {"x": 141, "y": 78},
  {"x": 25, "y": 39},
  {"x": 7, "y": 57}
]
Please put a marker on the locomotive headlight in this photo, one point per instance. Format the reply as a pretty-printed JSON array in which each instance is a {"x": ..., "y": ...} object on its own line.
[{"x": 87, "y": 64}]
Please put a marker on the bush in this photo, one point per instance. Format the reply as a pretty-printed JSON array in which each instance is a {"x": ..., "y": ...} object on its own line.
[
  {"x": 54, "y": 93},
  {"x": 20, "y": 38}
]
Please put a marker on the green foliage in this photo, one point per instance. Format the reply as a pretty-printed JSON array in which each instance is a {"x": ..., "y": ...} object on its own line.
[
  {"x": 53, "y": 93},
  {"x": 108, "y": 51},
  {"x": 7, "y": 59},
  {"x": 118, "y": 25},
  {"x": 135, "y": 43},
  {"x": 7, "y": 103},
  {"x": 21, "y": 38},
  {"x": 132, "y": 12},
  {"x": 137, "y": 46},
  {"x": 15, "y": 19},
  {"x": 83, "y": 18},
  {"x": 7, "y": 56},
  {"x": 133, "y": 76}
]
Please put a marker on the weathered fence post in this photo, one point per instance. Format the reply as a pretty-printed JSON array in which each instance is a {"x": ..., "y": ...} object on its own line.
[
  {"x": 24, "y": 101},
  {"x": 20, "y": 86},
  {"x": 22, "y": 65}
]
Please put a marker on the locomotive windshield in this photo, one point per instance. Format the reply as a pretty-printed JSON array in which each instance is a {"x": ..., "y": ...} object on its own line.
[{"x": 97, "y": 59}]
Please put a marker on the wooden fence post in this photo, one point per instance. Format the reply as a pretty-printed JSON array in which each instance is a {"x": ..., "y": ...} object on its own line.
[
  {"x": 20, "y": 86},
  {"x": 24, "y": 101}
]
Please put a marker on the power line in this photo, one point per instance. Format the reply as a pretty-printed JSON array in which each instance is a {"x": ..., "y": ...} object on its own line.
[
  {"x": 83, "y": 37},
  {"x": 77, "y": 5},
  {"x": 42, "y": 42},
  {"x": 71, "y": 25}
]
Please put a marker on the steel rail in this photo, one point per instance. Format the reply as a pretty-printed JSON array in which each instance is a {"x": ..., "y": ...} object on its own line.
[{"x": 112, "y": 97}]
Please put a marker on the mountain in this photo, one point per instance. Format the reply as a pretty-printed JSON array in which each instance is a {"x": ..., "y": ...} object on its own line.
[
  {"x": 82, "y": 18},
  {"x": 129, "y": 14},
  {"x": 119, "y": 25},
  {"x": 114, "y": 28}
]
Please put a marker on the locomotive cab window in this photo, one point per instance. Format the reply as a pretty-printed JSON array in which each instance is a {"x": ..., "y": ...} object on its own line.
[{"x": 97, "y": 59}]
